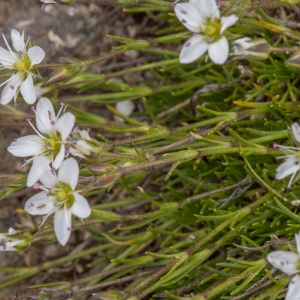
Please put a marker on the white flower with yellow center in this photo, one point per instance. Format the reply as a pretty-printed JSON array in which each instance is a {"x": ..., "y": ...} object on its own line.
[
  {"x": 289, "y": 263},
  {"x": 23, "y": 62},
  {"x": 292, "y": 158},
  {"x": 59, "y": 197},
  {"x": 50, "y": 143},
  {"x": 202, "y": 17}
]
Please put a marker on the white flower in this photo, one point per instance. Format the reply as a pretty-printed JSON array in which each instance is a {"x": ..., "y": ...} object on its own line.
[
  {"x": 202, "y": 17},
  {"x": 292, "y": 158},
  {"x": 59, "y": 197},
  {"x": 289, "y": 263},
  {"x": 49, "y": 143},
  {"x": 23, "y": 62}
]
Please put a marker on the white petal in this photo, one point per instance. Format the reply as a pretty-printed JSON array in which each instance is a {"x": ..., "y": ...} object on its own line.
[
  {"x": 47, "y": 178},
  {"x": 7, "y": 94},
  {"x": 39, "y": 166},
  {"x": 44, "y": 115},
  {"x": 218, "y": 51},
  {"x": 36, "y": 55},
  {"x": 69, "y": 172},
  {"x": 59, "y": 157},
  {"x": 11, "y": 231},
  {"x": 296, "y": 132},
  {"x": 297, "y": 236},
  {"x": 189, "y": 16},
  {"x": 65, "y": 124},
  {"x": 7, "y": 59},
  {"x": 208, "y": 8},
  {"x": 241, "y": 45},
  {"x": 290, "y": 166},
  {"x": 29, "y": 145},
  {"x": 10, "y": 246},
  {"x": 76, "y": 152},
  {"x": 81, "y": 207},
  {"x": 27, "y": 90},
  {"x": 11, "y": 88},
  {"x": 39, "y": 204},
  {"x": 293, "y": 292},
  {"x": 125, "y": 108},
  {"x": 84, "y": 146},
  {"x": 228, "y": 22},
  {"x": 193, "y": 48},
  {"x": 243, "y": 42},
  {"x": 285, "y": 261},
  {"x": 17, "y": 40},
  {"x": 62, "y": 225},
  {"x": 84, "y": 133}
]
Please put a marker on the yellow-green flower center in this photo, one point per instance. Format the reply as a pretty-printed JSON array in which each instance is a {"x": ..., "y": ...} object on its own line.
[
  {"x": 65, "y": 195},
  {"x": 23, "y": 64},
  {"x": 53, "y": 145},
  {"x": 212, "y": 29}
]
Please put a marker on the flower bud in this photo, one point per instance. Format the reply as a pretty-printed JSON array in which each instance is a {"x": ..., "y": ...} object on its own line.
[
  {"x": 294, "y": 60},
  {"x": 247, "y": 48},
  {"x": 109, "y": 175},
  {"x": 70, "y": 68},
  {"x": 14, "y": 240},
  {"x": 82, "y": 144},
  {"x": 110, "y": 295},
  {"x": 102, "y": 168},
  {"x": 63, "y": 2},
  {"x": 107, "y": 181}
]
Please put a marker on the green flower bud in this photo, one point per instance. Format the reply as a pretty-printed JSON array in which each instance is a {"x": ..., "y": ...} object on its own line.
[
  {"x": 70, "y": 68},
  {"x": 110, "y": 295},
  {"x": 101, "y": 169},
  {"x": 107, "y": 181}
]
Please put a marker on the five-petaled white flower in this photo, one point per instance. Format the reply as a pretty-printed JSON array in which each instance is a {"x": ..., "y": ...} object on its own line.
[
  {"x": 202, "y": 17},
  {"x": 23, "y": 62},
  {"x": 289, "y": 263},
  {"x": 59, "y": 197},
  {"x": 50, "y": 142},
  {"x": 292, "y": 158}
]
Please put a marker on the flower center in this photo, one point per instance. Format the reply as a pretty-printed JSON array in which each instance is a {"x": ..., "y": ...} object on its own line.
[
  {"x": 212, "y": 29},
  {"x": 53, "y": 145},
  {"x": 65, "y": 195},
  {"x": 23, "y": 64}
]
